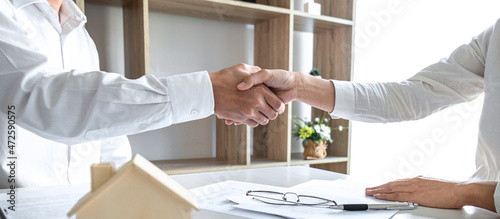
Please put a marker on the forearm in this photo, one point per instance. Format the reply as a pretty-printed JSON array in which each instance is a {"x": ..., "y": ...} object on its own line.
[
  {"x": 316, "y": 92},
  {"x": 74, "y": 107},
  {"x": 481, "y": 194}
]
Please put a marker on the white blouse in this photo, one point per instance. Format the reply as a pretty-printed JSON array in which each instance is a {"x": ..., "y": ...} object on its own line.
[{"x": 471, "y": 70}]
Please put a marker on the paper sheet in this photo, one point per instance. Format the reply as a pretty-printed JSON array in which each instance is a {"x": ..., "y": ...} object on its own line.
[
  {"x": 51, "y": 202},
  {"x": 215, "y": 197}
]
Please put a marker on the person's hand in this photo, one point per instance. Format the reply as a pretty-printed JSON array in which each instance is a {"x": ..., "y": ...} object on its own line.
[
  {"x": 252, "y": 106},
  {"x": 283, "y": 83},
  {"x": 289, "y": 86},
  {"x": 436, "y": 193}
]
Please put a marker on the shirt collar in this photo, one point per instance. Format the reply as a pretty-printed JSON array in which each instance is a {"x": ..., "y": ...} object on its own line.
[
  {"x": 71, "y": 16},
  {"x": 23, "y": 3},
  {"x": 68, "y": 7}
]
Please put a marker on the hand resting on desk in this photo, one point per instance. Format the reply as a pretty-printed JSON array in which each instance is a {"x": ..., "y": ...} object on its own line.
[{"x": 437, "y": 193}]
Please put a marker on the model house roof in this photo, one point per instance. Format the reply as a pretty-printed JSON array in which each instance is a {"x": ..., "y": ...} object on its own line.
[{"x": 140, "y": 165}]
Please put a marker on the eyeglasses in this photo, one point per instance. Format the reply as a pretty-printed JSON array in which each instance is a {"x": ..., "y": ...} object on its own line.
[{"x": 289, "y": 198}]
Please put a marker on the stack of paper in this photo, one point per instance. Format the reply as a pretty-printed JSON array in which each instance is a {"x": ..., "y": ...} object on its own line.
[{"x": 229, "y": 197}]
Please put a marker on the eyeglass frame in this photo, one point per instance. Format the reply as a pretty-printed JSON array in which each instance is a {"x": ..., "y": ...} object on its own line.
[{"x": 284, "y": 198}]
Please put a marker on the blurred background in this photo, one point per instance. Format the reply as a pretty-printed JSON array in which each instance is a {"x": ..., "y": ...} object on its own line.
[{"x": 394, "y": 39}]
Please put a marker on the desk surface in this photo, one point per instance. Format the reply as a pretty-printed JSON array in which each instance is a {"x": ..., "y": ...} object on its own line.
[
  {"x": 274, "y": 176},
  {"x": 294, "y": 175}
]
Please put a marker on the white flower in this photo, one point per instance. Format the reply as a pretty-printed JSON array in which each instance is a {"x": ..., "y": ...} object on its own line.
[
  {"x": 341, "y": 128},
  {"x": 317, "y": 119},
  {"x": 317, "y": 128},
  {"x": 325, "y": 130}
]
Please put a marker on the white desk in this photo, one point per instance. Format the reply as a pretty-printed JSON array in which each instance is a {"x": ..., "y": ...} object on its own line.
[
  {"x": 275, "y": 176},
  {"x": 291, "y": 176}
]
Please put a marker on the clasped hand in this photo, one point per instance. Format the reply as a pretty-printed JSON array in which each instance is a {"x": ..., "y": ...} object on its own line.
[{"x": 253, "y": 106}]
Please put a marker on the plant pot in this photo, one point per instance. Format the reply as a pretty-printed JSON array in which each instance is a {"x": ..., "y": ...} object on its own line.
[{"x": 314, "y": 150}]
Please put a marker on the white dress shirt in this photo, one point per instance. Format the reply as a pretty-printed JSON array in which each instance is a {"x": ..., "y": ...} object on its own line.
[
  {"x": 471, "y": 70},
  {"x": 66, "y": 110}
]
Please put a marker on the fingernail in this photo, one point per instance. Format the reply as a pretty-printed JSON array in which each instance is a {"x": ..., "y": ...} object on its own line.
[{"x": 242, "y": 84}]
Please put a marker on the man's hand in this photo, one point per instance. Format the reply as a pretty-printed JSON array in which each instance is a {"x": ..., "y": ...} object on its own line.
[
  {"x": 437, "y": 193},
  {"x": 290, "y": 86},
  {"x": 283, "y": 83},
  {"x": 252, "y": 107}
]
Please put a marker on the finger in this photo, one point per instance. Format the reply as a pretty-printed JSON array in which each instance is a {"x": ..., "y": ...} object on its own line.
[
  {"x": 269, "y": 113},
  {"x": 392, "y": 183},
  {"x": 275, "y": 102},
  {"x": 261, "y": 119},
  {"x": 230, "y": 122},
  {"x": 398, "y": 196},
  {"x": 391, "y": 188},
  {"x": 257, "y": 78},
  {"x": 251, "y": 68},
  {"x": 251, "y": 123}
]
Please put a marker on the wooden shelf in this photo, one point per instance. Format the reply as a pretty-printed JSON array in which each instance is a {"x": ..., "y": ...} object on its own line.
[
  {"x": 223, "y": 10},
  {"x": 274, "y": 24},
  {"x": 184, "y": 166},
  {"x": 195, "y": 165},
  {"x": 315, "y": 23},
  {"x": 296, "y": 159}
]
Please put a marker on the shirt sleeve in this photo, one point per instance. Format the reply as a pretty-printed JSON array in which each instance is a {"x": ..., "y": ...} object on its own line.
[
  {"x": 458, "y": 78},
  {"x": 79, "y": 106},
  {"x": 496, "y": 197}
]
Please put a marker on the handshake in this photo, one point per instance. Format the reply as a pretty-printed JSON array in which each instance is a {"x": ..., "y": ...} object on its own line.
[{"x": 246, "y": 94}]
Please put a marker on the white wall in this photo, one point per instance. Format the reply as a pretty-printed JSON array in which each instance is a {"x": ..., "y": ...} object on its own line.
[{"x": 394, "y": 40}]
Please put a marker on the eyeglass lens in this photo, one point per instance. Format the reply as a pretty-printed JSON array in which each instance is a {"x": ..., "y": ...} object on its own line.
[{"x": 289, "y": 198}]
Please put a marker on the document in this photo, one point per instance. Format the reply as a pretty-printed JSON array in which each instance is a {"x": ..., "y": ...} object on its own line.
[
  {"x": 229, "y": 197},
  {"x": 50, "y": 202}
]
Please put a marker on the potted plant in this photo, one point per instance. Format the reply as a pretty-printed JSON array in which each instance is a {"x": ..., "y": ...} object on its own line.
[{"x": 315, "y": 136}]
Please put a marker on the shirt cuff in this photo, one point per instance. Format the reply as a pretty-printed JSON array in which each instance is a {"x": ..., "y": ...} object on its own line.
[
  {"x": 344, "y": 99},
  {"x": 496, "y": 197},
  {"x": 191, "y": 96}
]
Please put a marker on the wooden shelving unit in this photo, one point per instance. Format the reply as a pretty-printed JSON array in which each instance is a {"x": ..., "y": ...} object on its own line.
[{"x": 274, "y": 22}]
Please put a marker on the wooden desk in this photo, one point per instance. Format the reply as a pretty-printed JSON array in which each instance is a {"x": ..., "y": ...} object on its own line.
[{"x": 275, "y": 176}]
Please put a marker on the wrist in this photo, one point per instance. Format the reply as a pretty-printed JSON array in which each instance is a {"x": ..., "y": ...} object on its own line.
[
  {"x": 316, "y": 92},
  {"x": 301, "y": 85},
  {"x": 480, "y": 194}
]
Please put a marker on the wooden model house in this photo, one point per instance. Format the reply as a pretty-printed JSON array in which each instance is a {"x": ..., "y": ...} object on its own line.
[{"x": 138, "y": 189}]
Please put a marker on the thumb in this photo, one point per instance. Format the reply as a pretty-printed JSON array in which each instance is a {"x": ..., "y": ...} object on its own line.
[{"x": 259, "y": 77}]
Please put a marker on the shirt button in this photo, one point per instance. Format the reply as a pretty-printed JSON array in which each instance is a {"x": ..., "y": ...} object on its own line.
[{"x": 194, "y": 112}]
